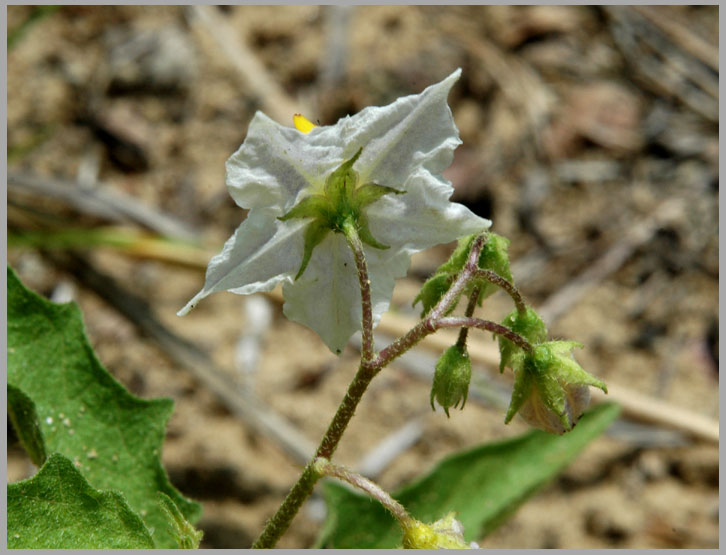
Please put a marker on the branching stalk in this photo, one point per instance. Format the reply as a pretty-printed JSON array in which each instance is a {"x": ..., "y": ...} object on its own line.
[
  {"x": 464, "y": 332},
  {"x": 370, "y": 366},
  {"x": 504, "y": 284},
  {"x": 327, "y": 468}
]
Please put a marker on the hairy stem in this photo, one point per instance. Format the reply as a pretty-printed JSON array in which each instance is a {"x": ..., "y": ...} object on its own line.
[
  {"x": 280, "y": 521},
  {"x": 326, "y": 468},
  {"x": 367, "y": 348},
  {"x": 486, "y": 325},
  {"x": 508, "y": 286},
  {"x": 429, "y": 326},
  {"x": 452, "y": 295},
  {"x": 370, "y": 366},
  {"x": 464, "y": 332}
]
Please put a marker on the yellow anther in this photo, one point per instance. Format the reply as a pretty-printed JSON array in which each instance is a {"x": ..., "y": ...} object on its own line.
[{"x": 302, "y": 123}]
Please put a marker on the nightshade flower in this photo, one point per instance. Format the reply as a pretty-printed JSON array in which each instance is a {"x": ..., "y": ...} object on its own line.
[{"x": 379, "y": 169}]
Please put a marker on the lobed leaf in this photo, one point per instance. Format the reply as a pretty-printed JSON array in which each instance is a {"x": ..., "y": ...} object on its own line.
[
  {"x": 112, "y": 437},
  {"x": 59, "y": 508}
]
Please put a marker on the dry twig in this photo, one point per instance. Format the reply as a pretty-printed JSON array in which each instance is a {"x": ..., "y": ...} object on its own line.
[
  {"x": 103, "y": 202},
  {"x": 682, "y": 35}
]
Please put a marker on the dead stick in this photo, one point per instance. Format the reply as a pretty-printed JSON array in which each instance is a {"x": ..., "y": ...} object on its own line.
[
  {"x": 680, "y": 34},
  {"x": 103, "y": 201},
  {"x": 635, "y": 405}
]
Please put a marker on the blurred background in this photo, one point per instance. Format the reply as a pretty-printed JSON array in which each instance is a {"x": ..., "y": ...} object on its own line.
[{"x": 590, "y": 139}]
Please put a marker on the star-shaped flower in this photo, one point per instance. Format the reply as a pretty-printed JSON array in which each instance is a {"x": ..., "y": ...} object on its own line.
[{"x": 298, "y": 186}]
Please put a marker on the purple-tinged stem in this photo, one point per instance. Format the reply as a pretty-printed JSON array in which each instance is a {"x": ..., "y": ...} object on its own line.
[
  {"x": 367, "y": 348},
  {"x": 327, "y": 468},
  {"x": 507, "y": 285},
  {"x": 464, "y": 332}
]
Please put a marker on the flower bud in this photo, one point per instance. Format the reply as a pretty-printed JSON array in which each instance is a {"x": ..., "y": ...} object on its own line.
[
  {"x": 458, "y": 258},
  {"x": 551, "y": 388},
  {"x": 445, "y": 533},
  {"x": 451, "y": 378},
  {"x": 431, "y": 292},
  {"x": 437, "y": 285},
  {"x": 494, "y": 257},
  {"x": 530, "y": 326}
]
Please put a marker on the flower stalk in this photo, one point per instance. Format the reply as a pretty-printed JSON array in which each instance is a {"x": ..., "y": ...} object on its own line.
[
  {"x": 369, "y": 368},
  {"x": 356, "y": 245},
  {"x": 326, "y": 468},
  {"x": 464, "y": 331},
  {"x": 506, "y": 285},
  {"x": 280, "y": 521}
]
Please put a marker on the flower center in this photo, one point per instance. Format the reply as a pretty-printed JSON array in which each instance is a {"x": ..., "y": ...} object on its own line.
[{"x": 340, "y": 205}]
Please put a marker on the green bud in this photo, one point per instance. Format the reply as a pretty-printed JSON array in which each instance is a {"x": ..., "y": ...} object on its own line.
[
  {"x": 445, "y": 533},
  {"x": 432, "y": 291},
  {"x": 551, "y": 390},
  {"x": 451, "y": 378},
  {"x": 494, "y": 257},
  {"x": 437, "y": 285},
  {"x": 528, "y": 325},
  {"x": 458, "y": 258}
]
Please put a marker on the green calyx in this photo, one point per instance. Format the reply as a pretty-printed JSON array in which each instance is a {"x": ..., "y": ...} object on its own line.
[
  {"x": 451, "y": 378},
  {"x": 493, "y": 257},
  {"x": 529, "y": 326},
  {"x": 547, "y": 377},
  {"x": 340, "y": 205}
]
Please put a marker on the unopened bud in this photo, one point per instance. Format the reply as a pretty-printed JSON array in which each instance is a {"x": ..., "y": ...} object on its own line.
[
  {"x": 445, "y": 533},
  {"x": 494, "y": 257},
  {"x": 529, "y": 326},
  {"x": 432, "y": 291},
  {"x": 451, "y": 378},
  {"x": 551, "y": 388}
]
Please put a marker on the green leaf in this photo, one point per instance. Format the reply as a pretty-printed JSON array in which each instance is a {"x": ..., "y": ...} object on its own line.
[
  {"x": 187, "y": 537},
  {"x": 58, "y": 508},
  {"x": 113, "y": 437},
  {"x": 484, "y": 485},
  {"x": 21, "y": 412}
]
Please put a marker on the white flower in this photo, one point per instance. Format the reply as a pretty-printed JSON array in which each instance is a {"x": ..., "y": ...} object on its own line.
[{"x": 402, "y": 147}]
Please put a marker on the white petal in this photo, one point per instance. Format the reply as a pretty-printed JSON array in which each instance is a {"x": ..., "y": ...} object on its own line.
[
  {"x": 261, "y": 253},
  {"x": 326, "y": 298},
  {"x": 406, "y": 145},
  {"x": 275, "y": 163},
  {"x": 384, "y": 268},
  {"x": 414, "y": 131},
  {"x": 423, "y": 216}
]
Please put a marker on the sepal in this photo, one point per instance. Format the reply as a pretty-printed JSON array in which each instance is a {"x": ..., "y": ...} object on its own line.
[{"x": 451, "y": 378}]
